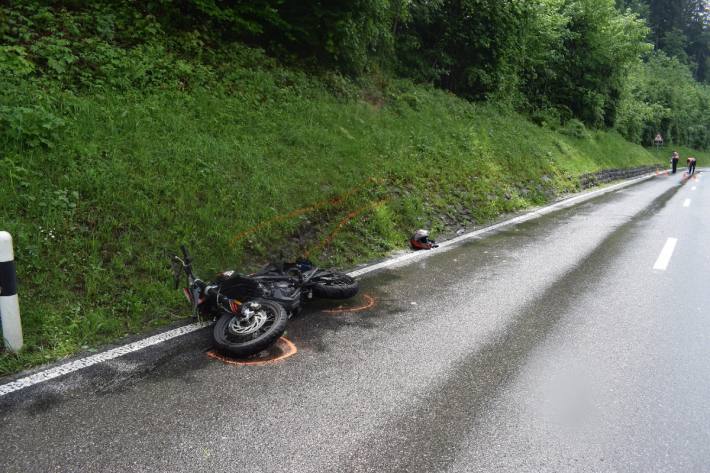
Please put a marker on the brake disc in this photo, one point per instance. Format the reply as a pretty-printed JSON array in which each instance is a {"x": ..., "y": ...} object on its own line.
[{"x": 254, "y": 320}]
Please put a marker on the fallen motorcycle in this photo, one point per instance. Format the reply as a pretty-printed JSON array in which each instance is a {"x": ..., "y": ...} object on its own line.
[{"x": 252, "y": 311}]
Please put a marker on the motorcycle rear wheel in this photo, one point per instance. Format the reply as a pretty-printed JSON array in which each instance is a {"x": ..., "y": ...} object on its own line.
[
  {"x": 333, "y": 285},
  {"x": 234, "y": 340}
]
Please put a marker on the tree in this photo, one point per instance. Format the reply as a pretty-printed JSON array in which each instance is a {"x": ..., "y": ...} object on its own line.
[
  {"x": 680, "y": 28},
  {"x": 600, "y": 45}
]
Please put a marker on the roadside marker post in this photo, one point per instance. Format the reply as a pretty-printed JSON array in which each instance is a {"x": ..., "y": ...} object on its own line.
[{"x": 9, "y": 304}]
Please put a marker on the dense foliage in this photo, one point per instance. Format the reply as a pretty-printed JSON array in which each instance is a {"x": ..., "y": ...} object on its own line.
[
  {"x": 679, "y": 28},
  {"x": 661, "y": 92},
  {"x": 662, "y": 96},
  {"x": 556, "y": 60}
]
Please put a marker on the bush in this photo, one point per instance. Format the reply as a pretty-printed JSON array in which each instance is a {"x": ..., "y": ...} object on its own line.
[
  {"x": 31, "y": 126},
  {"x": 575, "y": 129},
  {"x": 661, "y": 95},
  {"x": 14, "y": 62},
  {"x": 547, "y": 117}
]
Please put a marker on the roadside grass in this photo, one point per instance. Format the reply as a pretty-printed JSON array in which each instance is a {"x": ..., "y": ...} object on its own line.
[{"x": 264, "y": 163}]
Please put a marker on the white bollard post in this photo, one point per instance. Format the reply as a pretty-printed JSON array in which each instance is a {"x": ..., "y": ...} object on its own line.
[{"x": 9, "y": 304}]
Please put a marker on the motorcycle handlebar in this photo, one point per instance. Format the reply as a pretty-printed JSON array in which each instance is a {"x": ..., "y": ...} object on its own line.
[
  {"x": 187, "y": 264},
  {"x": 185, "y": 253},
  {"x": 176, "y": 268}
]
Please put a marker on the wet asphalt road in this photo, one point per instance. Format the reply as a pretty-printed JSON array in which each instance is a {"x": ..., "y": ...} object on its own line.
[{"x": 552, "y": 345}]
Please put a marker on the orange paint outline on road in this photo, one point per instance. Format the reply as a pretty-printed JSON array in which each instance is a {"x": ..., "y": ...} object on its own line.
[
  {"x": 370, "y": 304},
  {"x": 337, "y": 200},
  {"x": 287, "y": 347}
]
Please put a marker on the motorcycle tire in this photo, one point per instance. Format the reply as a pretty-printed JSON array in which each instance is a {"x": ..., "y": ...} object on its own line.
[
  {"x": 333, "y": 285},
  {"x": 246, "y": 344}
]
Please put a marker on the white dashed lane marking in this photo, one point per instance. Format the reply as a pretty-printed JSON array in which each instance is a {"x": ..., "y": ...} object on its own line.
[
  {"x": 686, "y": 203},
  {"x": 666, "y": 253}
]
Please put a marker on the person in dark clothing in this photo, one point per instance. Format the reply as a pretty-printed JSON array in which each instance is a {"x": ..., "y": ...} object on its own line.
[
  {"x": 691, "y": 165},
  {"x": 675, "y": 157}
]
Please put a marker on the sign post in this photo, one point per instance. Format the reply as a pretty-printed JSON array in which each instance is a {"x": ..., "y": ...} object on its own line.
[
  {"x": 658, "y": 141},
  {"x": 9, "y": 304}
]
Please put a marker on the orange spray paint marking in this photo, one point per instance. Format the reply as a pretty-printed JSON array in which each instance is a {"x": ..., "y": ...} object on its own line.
[
  {"x": 290, "y": 215},
  {"x": 282, "y": 349},
  {"x": 369, "y": 304},
  {"x": 337, "y": 200},
  {"x": 348, "y": 218}
]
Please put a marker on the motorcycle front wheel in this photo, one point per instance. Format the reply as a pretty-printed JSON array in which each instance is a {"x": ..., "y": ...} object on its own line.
[
  {"x": 333, "y": 285},
  {"x": 240, "y": 336}
]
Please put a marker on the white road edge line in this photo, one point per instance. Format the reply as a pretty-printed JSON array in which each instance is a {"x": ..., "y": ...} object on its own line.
[
  {"x": 415, "y": 256},
  {"x": 686, "y": 203},
  {"x": 666, "y": 253},
  {"x": 76, "y": 365}
]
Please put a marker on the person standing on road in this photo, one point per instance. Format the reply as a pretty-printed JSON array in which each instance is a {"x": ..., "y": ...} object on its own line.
[
  {"x": 691, "y": 165},
  {"x": 675, "y": 157}
]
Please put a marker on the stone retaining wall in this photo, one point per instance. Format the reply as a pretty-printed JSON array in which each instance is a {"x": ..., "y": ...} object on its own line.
[{"x": 595, "y": 178}]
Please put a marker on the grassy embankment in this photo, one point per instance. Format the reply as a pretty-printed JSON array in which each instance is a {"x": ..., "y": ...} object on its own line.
[{"x": 267, "y": 159}]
